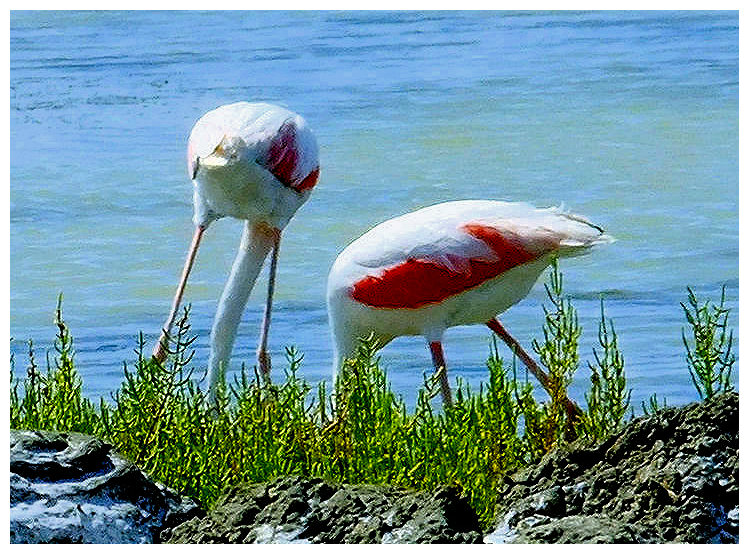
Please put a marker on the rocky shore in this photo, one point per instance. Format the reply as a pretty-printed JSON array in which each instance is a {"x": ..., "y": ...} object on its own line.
[
  {"x": 298, "y": 510},
  {"x": 72, "y": 488},
  {"x": 670, "y": 477}
]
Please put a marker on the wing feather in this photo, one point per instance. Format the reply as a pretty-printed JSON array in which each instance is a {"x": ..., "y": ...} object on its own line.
[{"x": 426, "y": 256}]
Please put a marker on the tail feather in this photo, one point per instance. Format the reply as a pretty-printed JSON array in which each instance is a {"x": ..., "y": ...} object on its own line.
[{"x": 581, "y": 234}]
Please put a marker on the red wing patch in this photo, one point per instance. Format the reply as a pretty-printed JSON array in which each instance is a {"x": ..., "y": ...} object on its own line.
[
  {"x": 283, "y": 159},
  {"x": 309, "y": 181},
  {"x": 416, "y": 283}
]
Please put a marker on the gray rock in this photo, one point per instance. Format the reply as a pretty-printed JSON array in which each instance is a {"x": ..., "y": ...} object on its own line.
[
  {"x": 671, "y": 477},
  {"x": 72, "y": 488},
  {"x": 578, "y": 529},
  {"x": 299, "y": 510}
]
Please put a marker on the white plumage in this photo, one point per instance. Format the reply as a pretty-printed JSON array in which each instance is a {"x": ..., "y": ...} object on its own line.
[
  {"x": 256, "y": 162},
  {"x": 454, "y": 263},
  {"x": 243, "y": 143},
  {"x": 450, "y": 264}
]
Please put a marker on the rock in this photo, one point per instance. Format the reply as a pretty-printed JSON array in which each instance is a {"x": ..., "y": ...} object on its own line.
[
  {"x": 578, "y": 529},
  {"x": 72, "y": 488},
  {"x": 301, "y": 510},
  {"x": 670, "y": 477}
]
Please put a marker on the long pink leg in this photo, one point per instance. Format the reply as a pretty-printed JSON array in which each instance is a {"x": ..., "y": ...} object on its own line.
[
  {"x": 263, "y": 358},
  {"x": 161, "y": 348},
  {"x": 438, "y": 358},
  {"x": 572, "y": 409}
]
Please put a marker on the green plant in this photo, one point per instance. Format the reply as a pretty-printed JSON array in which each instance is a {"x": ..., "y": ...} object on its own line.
[
  {"x": 161, "y": 420},
  {"x": 608, "y": 399},
  {"x": 651, "y": 406},
  {"x": 27, "y": 411},
  {"x": 558, "y": 352},
  {"x": 709, "y": 354},
  {"x": 360, "y": 432},
  {"x": 54, "y": 400},
  {"x": 370, "y": 418}
]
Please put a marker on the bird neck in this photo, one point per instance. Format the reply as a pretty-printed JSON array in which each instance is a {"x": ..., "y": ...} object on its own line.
[
  {"x": 347, "y": 333},
  {"x": 344, "y": 339},
  {"x": 257, "y": 241}
]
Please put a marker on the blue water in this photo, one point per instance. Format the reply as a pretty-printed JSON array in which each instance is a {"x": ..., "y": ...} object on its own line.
[{"x": 629, "y": 118}]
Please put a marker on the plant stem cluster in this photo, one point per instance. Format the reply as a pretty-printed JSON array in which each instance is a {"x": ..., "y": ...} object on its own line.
[{"x": 359, "y": 432}]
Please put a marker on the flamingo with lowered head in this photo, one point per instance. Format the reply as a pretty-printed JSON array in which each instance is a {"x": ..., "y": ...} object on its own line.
[
  {"x": 455, "y": 263},
  {"x": 256, "y": 162}
]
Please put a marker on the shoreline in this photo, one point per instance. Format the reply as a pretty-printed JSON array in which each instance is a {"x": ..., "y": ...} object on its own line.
[{"x": 668, "y": 477}]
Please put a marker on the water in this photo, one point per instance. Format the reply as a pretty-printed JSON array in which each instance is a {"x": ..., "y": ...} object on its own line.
[{"x": 630, "y": 118}]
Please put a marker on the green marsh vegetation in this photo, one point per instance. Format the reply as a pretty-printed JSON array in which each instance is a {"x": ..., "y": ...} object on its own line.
[
  {"x": 361, "y": 431},
  {"x": 709, "y": 355}
]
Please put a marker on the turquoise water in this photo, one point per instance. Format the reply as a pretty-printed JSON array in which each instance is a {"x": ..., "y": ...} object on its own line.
[{"x": 630, "y": 118}]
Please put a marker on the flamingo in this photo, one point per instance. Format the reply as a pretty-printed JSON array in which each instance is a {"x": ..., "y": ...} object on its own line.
[
  {"x": 455, "y": 263},
  {"x": 259, "y": 163}
]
